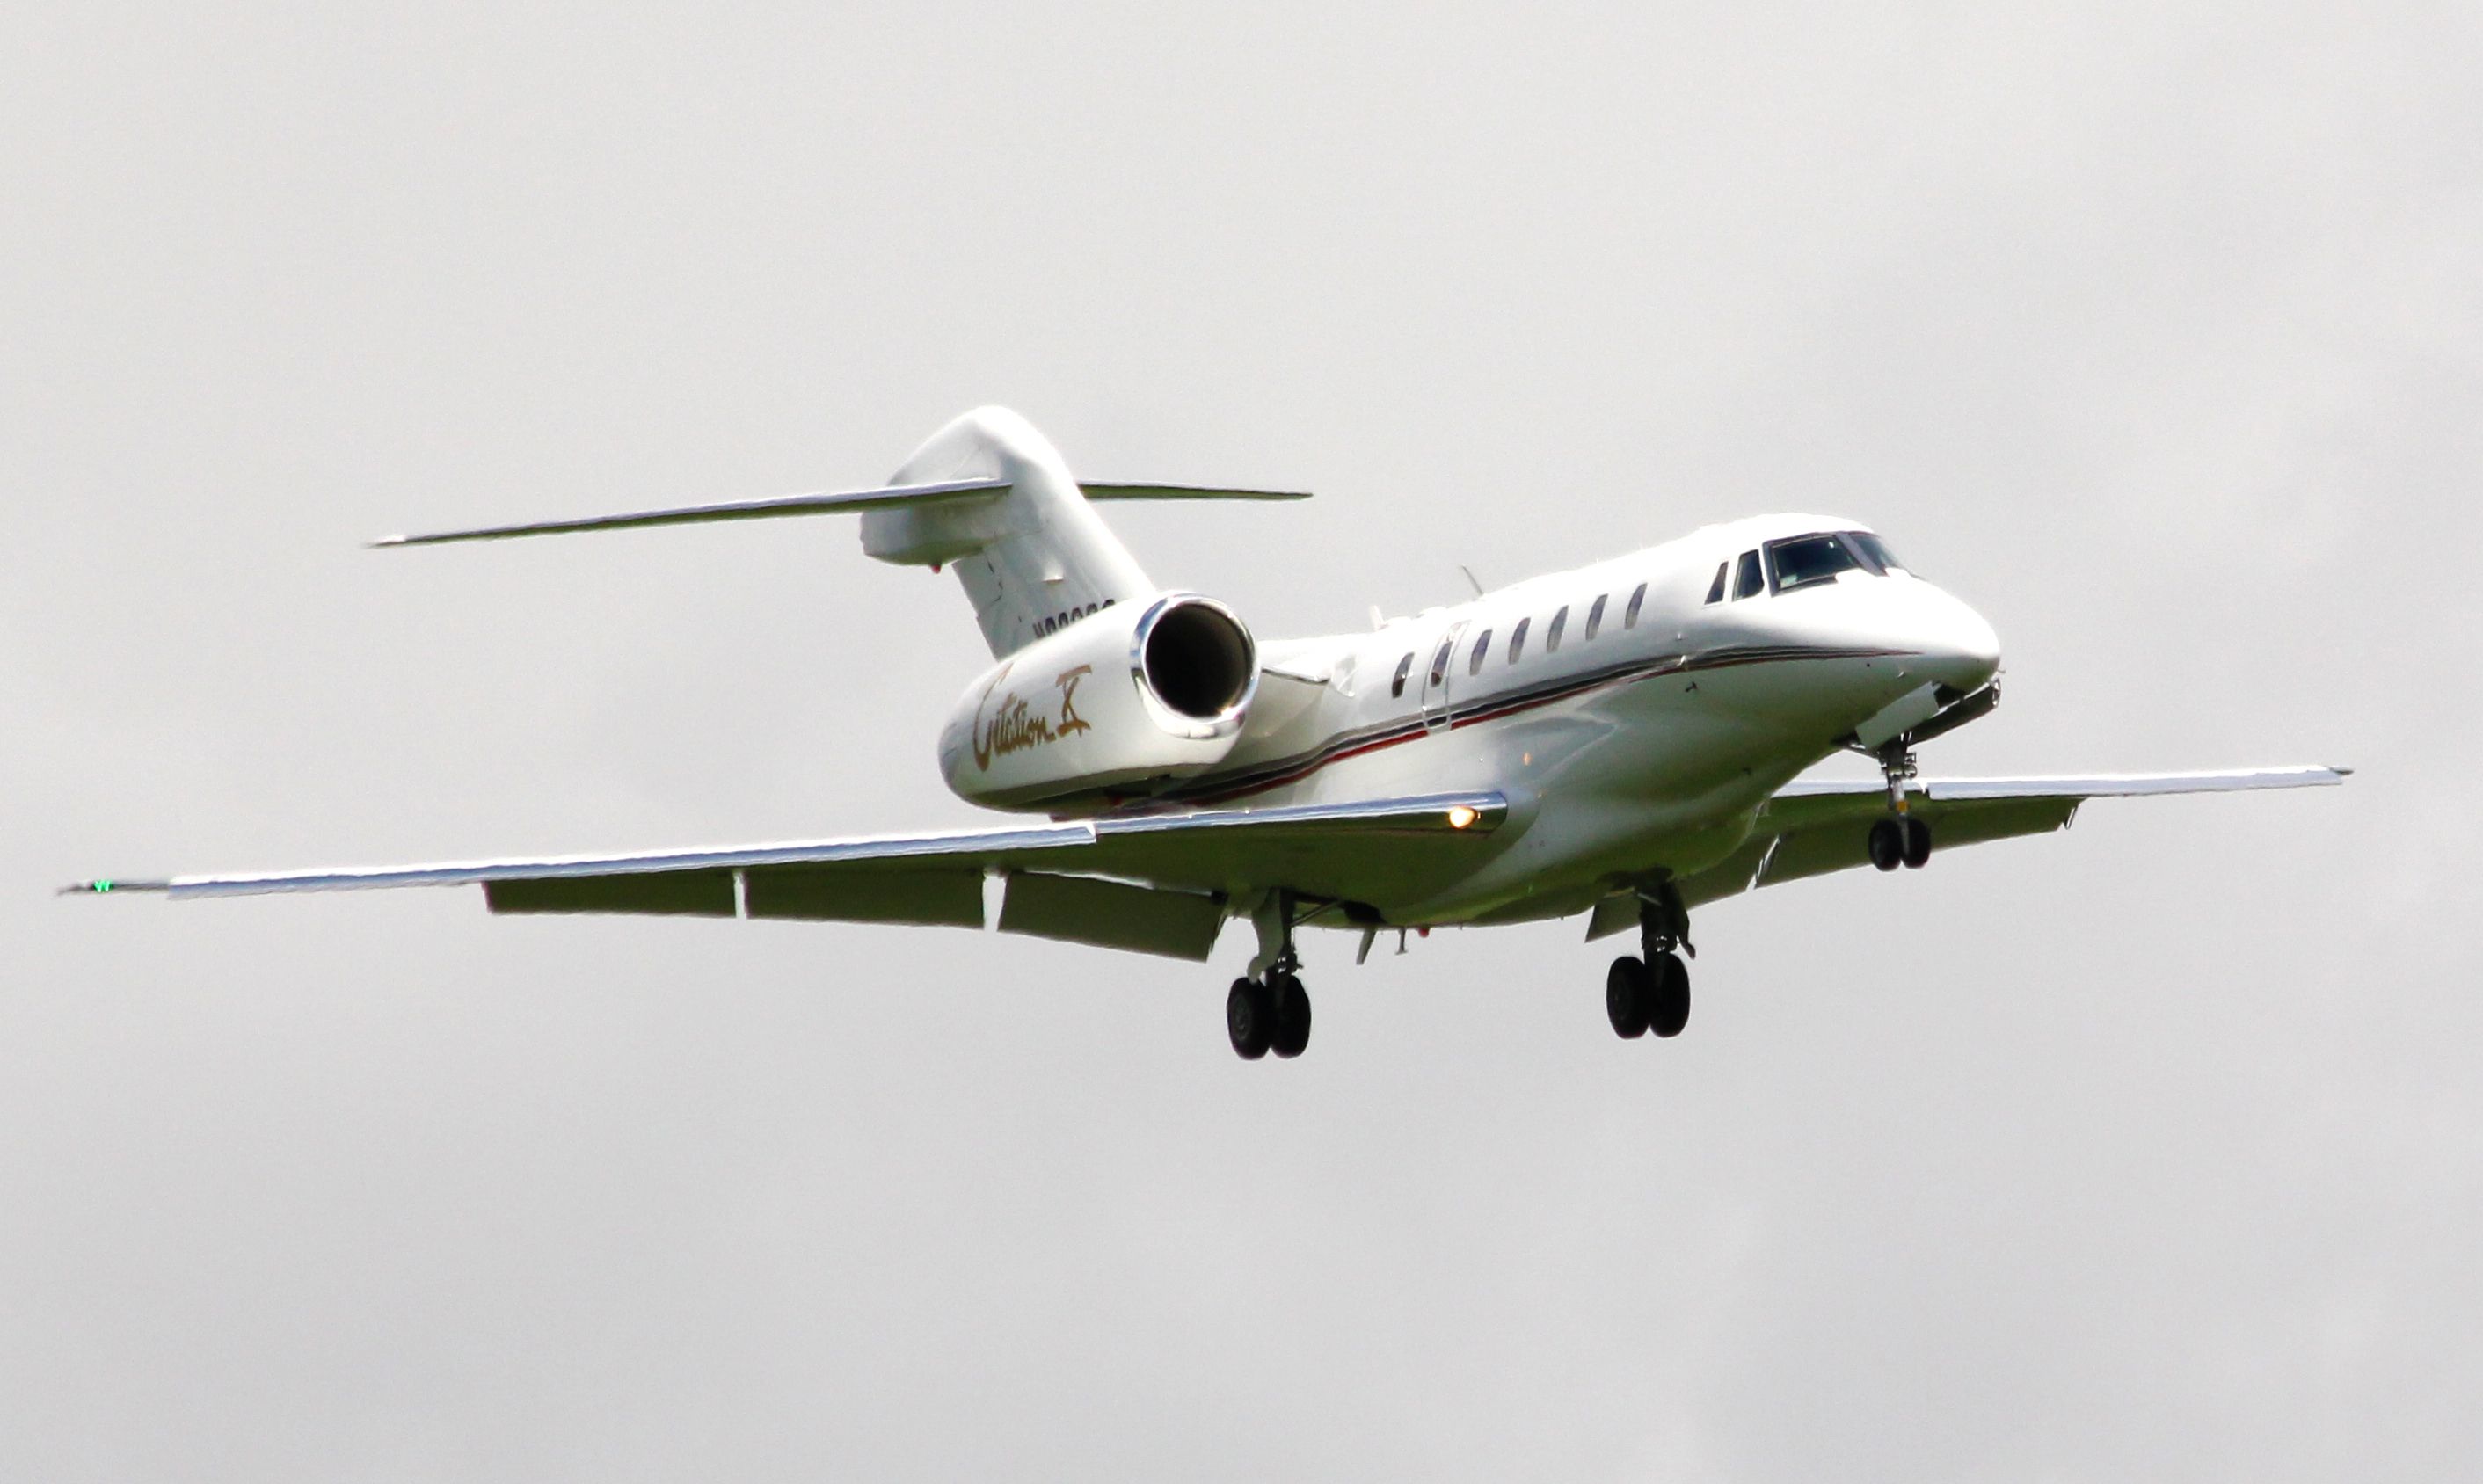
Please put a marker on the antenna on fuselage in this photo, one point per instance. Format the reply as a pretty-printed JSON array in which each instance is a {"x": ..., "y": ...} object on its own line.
[{"x": 1470, "y": 578}]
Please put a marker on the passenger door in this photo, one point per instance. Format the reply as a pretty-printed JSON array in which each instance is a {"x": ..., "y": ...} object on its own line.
[{"x": 1438, "y": 667}]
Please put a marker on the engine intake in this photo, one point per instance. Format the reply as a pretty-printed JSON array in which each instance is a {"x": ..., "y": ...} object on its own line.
[{"x": 1196, "y": 657}]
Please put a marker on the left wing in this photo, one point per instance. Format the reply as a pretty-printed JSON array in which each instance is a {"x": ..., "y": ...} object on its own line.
[
  {"x": 1815, "y": 826},
  {"x": 1156, "y": 882}
]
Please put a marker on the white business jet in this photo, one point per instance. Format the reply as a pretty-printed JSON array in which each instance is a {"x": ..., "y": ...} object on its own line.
[{"x": 1622, "y": 741}]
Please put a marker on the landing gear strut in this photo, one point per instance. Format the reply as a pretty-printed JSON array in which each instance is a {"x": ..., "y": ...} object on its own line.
[
  {"x": 1271, "y": 1011},
  {"x": 1652, "y": 993},
  {"x": 1899, "y": 839}
]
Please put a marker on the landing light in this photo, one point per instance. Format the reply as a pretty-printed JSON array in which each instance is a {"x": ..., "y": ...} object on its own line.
[{"x": 1461, "y": 816}]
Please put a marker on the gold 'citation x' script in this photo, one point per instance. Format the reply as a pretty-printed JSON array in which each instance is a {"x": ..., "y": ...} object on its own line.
[{"x": 1014, "y": 726}]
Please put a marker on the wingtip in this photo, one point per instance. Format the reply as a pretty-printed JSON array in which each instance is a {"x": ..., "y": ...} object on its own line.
[
  {"x": 110, "y": 885},
  {"x": 379, "y": 543}
]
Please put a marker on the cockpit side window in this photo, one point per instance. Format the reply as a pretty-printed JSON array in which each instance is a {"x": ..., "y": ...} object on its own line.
[
  {"x": 1870, "y": 564},
  {"x": 1716, "y": 589},
  {"x": 1749, "y": 579},
  {"x": 1807, "y": 561},
  {"x": 1874, "y": 551},
  {"x": 1405, "y": 667}
]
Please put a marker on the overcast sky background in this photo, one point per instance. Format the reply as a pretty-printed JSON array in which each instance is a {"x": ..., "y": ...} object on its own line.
[{"x": 2152, "y": 1149}]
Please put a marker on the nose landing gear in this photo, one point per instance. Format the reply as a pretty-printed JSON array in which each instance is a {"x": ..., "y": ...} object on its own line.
[
  {"x": 1652, "y": 993},
  {"x": 1900, "y": 838}
]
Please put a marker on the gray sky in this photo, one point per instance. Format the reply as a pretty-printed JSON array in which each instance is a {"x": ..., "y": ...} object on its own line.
[{"x": 2153, "y": 1150}]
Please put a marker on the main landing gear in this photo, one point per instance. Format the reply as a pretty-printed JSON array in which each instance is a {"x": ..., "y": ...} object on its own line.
[
  {"x": 1899, "y": 839},
  {"x": 1652, "y": 993},
  {"x": 1271, "y": 1011}
]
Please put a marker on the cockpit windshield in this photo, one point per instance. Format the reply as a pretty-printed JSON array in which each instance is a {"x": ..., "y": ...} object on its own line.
[{"x": 1806, "y": 561}]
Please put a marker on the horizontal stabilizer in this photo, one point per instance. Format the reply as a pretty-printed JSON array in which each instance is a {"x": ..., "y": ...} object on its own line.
[
  {"x": 826, "y": 502},
  {"x": 1187, "y": 492}
]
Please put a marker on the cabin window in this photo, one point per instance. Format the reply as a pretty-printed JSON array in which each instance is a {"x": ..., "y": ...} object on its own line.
[
  {"x": 1517, "y": 640},
  {"x": 1748, "y": 581},
  {"x": 1629, "y": 615},
  {"x": 1481, "y": 648},
  {"x": 1440, "y": 661},
  {"x": 1405, "y": 667},
  {"x": 1716, "y": 589},
  {"x": 1807, "y": 561},
  {"x": 1595, "y": 615},
  {"x": 1551, "y": 634}
]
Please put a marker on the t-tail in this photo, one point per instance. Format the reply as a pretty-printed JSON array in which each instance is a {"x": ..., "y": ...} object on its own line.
[{"x": 986, "y": 494}]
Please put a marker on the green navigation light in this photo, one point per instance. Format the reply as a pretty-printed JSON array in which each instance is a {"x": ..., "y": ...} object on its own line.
[{"x": 101, "y": 887}]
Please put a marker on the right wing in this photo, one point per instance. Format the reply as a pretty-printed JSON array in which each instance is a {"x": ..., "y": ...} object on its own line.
[
  {"x": 1156, "y": 882},
  {"x": 1815, "y": 826}
]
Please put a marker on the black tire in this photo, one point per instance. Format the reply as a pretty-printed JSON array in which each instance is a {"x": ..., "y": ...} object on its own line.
[
  {"x": 1668, "y": 1007},
  {"x": 1918, "y": 843},
  {"x": 1625, "y": 997},
  {"x": 1292, "y": 1019},
  {"x": 1887, "y": 844},
  {"x": 1247, "y": 1019}
]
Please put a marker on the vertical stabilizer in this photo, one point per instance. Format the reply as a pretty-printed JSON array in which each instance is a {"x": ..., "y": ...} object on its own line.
[{"x": 1034, "y": 556}]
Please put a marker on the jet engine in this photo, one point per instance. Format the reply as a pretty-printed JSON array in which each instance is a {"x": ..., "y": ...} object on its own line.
[{"x": 1116, "y": 701}]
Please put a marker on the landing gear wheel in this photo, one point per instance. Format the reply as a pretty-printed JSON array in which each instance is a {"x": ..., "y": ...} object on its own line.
[
  {"x": 1626, "y": 987},
  {"x": 1668, "y": 1004},
  {"x": 1292, "y": 1021},
  {"x": 1249, "y": 1018},
  {"x": 1918, "y": 843},
  {"x": 1888, "y": 842}
]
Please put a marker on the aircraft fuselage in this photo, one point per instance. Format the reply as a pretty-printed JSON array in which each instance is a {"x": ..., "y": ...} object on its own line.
[{"x": 1634, "y": 725}]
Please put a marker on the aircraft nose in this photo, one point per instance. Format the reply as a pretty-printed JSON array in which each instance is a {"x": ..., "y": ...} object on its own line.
[{"x": 1960, "y": 646}]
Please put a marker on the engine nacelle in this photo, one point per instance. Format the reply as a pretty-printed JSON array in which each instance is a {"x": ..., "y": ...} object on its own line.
[{"x": 1124, "y": 698}]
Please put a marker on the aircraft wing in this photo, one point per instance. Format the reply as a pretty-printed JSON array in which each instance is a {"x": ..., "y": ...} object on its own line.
[
  {"x": 1152, "y": 883},
  {"x": 1815, "y": 826}
]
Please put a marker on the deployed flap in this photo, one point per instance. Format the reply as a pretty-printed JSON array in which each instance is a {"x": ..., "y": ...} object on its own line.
[
  {"x": 674, "y": 893},
  {"x": 866, "y": 892},
  {"x": 1113, "y": 914}
]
